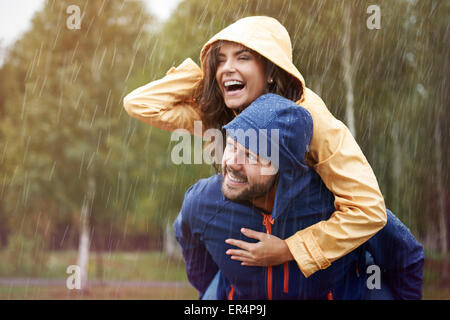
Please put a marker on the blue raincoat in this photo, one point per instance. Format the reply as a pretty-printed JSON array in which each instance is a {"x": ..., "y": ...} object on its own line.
[{"x": 207, "y": 219}]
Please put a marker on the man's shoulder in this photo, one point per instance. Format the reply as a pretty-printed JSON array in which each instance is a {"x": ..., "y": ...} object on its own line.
[
  {"x": 204, "y": 193},
  {"x": 212, "y": 184}
]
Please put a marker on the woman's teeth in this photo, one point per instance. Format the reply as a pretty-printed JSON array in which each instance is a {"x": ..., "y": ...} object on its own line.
[
  {"x": 232, "y": 82},
  {"x": 233, "y": 85}
]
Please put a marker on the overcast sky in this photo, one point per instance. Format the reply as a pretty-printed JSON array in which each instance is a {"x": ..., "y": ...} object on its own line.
[{"x": 15, "y": 15}]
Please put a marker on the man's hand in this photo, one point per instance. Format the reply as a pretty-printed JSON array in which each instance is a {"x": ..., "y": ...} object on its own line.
[{"x": 269, "y": 251}]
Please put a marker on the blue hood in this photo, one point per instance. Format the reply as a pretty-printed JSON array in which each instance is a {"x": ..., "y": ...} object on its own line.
[
  {"x": 284, "y": 138},
  {"x": 207, "y": 219}
]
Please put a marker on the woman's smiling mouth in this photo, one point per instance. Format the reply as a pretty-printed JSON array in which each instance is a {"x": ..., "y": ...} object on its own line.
[{"x": 233, "y": 87}]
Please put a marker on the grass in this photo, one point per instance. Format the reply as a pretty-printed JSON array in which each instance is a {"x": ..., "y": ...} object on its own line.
[
  {"x": 97, "y": 293},
  {"x": 140, "y": 267},
  {"x": 432, "y": 284},
  {"x": 135, "y": 266}
]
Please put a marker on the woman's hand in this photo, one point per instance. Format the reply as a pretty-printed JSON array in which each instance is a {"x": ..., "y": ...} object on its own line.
[{"x": 269, "y": 251}]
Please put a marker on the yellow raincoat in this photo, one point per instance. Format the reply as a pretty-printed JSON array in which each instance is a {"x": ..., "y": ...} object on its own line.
[{"x": 169, "y": 104}]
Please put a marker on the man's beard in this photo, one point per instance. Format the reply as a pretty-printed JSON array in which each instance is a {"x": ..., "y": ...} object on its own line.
[{"x": 251, "y": 192}]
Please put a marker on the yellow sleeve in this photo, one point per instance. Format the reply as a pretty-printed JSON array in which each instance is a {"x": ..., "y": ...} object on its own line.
[
  {"x": 360, "y": 209},
  {"x": 168, "y": 103}
]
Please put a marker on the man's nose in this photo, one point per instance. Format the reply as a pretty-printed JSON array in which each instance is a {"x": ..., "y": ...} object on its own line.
[{"x": 234, "y": 161}]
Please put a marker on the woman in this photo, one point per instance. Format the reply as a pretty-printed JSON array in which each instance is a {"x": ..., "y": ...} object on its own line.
[{"x": 251, "y": 57}]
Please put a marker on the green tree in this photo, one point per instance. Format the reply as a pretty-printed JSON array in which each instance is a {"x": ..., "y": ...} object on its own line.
[{"x": 64, "y": 120}]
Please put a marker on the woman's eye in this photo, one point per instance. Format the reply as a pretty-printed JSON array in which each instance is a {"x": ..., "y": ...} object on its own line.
[
  {"x": 252, "y": 158},
  {"x": 244, "y": 57}
]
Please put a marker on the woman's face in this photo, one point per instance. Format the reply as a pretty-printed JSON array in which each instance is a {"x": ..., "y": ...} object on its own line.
[{"x": 240, "y": 75}]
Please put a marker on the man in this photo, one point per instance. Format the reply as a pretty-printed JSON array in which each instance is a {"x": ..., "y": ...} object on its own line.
[{"x": 279, "y": 197}]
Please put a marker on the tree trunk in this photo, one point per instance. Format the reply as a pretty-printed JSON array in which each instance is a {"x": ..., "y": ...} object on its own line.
[
  {"x": 347, "y": 69},
  {"x": 441, "y": 201},
  {"x": 99, "y": 269},
  {"x": 83, "y": 246},
  {"x": 170, "y": 246},
  {"x": 397, "y": 165}
]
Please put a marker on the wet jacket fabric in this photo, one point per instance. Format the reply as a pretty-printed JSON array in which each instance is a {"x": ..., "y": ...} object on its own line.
[
  {"x": 400, "y": 258},
  {"x": 169, "y": 103},
  {"x": 207, "y": 219}
]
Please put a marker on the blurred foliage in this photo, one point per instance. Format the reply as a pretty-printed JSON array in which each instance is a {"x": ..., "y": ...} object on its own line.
[
  {"x": 25, "y": 255},
  {"x": 62, "y": 123},
  {"x": 61, "y": 97}
]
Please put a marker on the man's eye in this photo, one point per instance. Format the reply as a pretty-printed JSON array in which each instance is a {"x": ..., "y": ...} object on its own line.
[{"x": 244, "y": 57}]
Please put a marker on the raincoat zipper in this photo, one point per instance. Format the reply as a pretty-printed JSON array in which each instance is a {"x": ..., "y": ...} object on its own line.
[
  {"x": 286, "y": 277},
  {"x": 231, "y": 293},
  {"x": 267, "y": 222}
]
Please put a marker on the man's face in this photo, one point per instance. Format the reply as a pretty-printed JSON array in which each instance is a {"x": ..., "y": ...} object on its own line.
[{"x": 241, "y": 173}]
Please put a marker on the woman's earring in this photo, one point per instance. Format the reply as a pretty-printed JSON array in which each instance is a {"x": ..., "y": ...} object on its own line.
[{"x": 270, "y": 81}]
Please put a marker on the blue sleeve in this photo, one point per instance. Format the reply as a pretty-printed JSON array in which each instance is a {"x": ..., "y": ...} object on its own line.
[
  {"x": 400, "y": 258},
  {"x": 200, "y": 267}
]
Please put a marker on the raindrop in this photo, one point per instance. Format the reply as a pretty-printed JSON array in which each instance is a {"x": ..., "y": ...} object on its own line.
[
  {"x": 51, "y": 171},
  {"x": 422, "y": 91},
  {"x": 81, "y": 165}
]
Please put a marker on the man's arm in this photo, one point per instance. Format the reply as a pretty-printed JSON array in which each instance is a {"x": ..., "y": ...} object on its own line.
[{"x": 200, "y": 267}]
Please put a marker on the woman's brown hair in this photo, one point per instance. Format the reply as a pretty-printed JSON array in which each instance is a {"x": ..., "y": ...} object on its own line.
[{"x": 215, "y": 113}]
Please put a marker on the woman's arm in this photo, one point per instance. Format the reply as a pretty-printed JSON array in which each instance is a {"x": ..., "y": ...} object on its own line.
[
  {"x": 168, "y": 103},
  {"x": 360, "y": 209}
]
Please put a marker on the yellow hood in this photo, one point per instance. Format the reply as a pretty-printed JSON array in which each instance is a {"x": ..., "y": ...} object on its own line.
[{"x": 264, "y": 35}]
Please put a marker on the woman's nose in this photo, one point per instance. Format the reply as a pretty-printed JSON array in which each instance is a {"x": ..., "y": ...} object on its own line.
[{"x": 229, "y": 66}]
